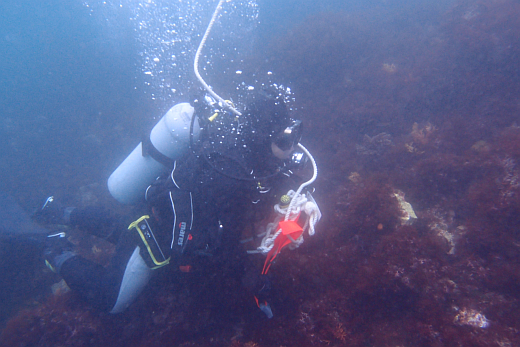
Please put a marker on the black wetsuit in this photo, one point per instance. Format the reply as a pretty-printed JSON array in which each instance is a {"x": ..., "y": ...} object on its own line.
[
  {"x": 195, "y": 194},
  {"x": 229, "y": 167}
]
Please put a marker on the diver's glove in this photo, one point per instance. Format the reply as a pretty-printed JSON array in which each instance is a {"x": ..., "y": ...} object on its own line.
[
  {"x": 262, "y": 295},
  {"x": 57, "y": 250},
  {"x": 52, "y": 212}
]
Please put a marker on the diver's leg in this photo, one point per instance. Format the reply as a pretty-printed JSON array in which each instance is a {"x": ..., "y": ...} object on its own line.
[
  {"x": 92, "y": 281},
  {"x": 97, "y": 221},
  {"x": 112, "y": 288},
  {"x": 94, "y": 220}
]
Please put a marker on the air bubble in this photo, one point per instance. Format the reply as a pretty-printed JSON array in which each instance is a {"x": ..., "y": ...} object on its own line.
[{"x": 168, "y": 33}]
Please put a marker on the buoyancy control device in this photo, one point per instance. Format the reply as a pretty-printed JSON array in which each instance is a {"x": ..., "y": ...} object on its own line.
[{"x": 168, "y": 141}]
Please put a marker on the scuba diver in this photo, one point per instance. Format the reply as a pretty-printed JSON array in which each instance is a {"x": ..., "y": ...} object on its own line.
[
  {"x": 203, "y": 166},
  {"x": 212, "y": 168}
]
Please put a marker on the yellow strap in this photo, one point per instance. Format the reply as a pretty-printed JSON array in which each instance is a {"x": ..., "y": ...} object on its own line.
[
  {"x": 229, "y": 102},
  {"x": 216, "y": 114},
  {"x": 49, "y": 265},
  {"x": 212, "y": 118},
  {"x": 136, "y": 226}
]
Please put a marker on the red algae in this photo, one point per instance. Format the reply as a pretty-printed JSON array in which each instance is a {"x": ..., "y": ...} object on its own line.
[
  {"x": 61, "y": 321},
  {"x": 446, "y": 94}
]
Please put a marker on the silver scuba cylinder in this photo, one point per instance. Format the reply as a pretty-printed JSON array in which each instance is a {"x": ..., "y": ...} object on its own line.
[{"x": 169, "y": 140}]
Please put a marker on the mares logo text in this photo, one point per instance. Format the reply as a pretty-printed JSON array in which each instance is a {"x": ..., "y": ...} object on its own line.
[{"x": 182, "y": 226}]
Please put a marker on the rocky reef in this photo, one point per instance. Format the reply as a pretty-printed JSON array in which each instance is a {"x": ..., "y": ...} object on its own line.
[{"x": 418, "y": 105}]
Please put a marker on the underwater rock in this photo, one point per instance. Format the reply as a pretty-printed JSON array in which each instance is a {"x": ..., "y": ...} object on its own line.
[
  {"x": 481, "y": 147},
  {"x": 423, "y": 134},
  {"x": 60, "y": 288},
  {"x": 408, "y": 216},
  {"x": 442, "y": 224},
  {"x": 389, "y": 68},
  {"x": 355, "y": 178},
  {"x": 375, "y": 145},
  {"x": 61, "y": 321},
  {"x": 471, "y": 317}
]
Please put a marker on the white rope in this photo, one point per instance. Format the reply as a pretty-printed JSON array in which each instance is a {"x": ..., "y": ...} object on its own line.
[
  {"x": 267, "y": 242},
  {"x": 298, "y": 204},
  {"x": 305, "y": 184},
  {"x": 312, "y": 210},
  {"x": 222, "y": 102}
]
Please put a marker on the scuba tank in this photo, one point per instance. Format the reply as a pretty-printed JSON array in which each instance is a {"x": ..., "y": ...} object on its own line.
[{"x": 168, "y": 141}]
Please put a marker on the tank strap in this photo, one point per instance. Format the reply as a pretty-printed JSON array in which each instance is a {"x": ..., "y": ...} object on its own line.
[
  {"x": 150, "y": 150},
  {"x": 156, "y": 255}
]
